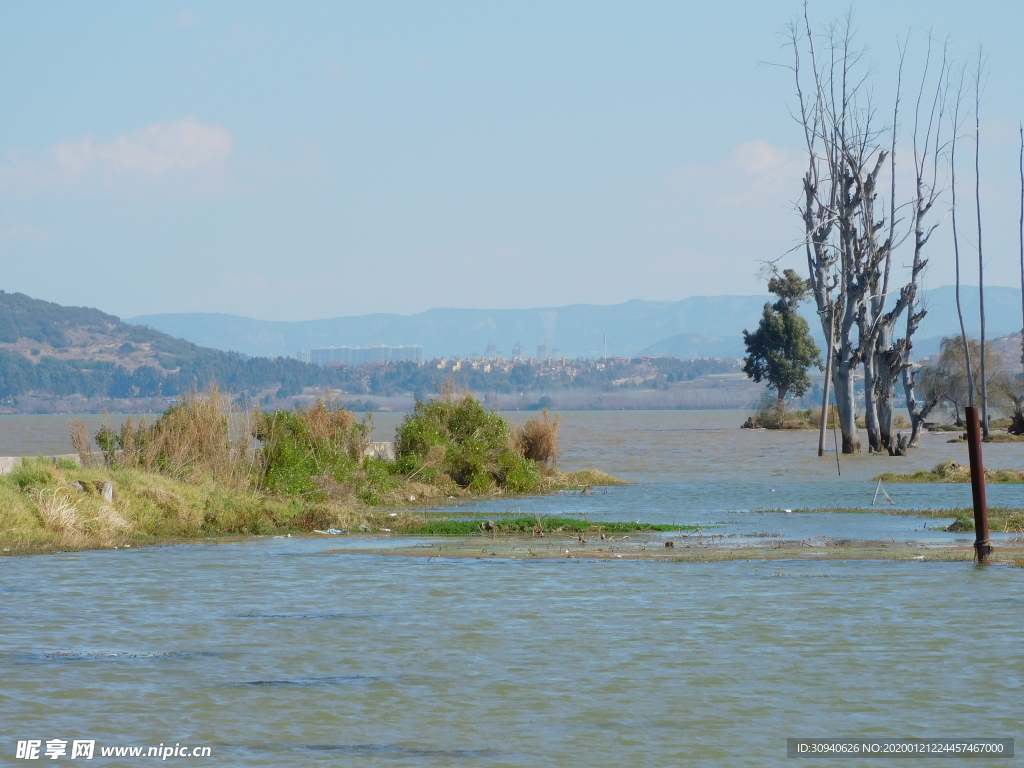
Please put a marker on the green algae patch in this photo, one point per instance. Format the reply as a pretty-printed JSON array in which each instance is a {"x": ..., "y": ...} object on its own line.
[{"x": 534, "y": 526}]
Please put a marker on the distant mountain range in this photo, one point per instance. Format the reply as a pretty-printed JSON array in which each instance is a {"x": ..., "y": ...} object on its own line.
[{"x": 700, "y": 326}]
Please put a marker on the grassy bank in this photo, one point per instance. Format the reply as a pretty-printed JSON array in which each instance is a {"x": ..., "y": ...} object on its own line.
[
  {"x": 185, "y": 478},
  {"x": 953, "y": 472},
  {"x": 47, "y": 507}
]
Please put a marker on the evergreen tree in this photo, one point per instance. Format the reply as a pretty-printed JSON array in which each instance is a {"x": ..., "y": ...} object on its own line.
[{"x": 781, "y": 349}]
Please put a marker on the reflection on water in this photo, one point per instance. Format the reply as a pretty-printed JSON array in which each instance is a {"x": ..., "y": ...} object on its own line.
[{"x": 276, "y": 654}]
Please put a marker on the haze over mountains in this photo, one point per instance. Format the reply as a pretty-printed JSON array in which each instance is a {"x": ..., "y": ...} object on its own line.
[{"x": 699, "y": 326}]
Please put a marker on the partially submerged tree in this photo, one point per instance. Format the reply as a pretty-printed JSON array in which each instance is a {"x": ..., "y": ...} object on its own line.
[
  {"x": 894, "y": 357},
  {"x": 850, "y": 235},
  {"x": 842, "y": 165},
  {"x": 781, "y": 349}
]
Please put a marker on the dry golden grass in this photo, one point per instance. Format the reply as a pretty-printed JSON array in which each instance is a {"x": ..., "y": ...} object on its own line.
[
  {"x": 58, "y": 511},
  {"x": 111, "y": 522},
  {"x": 537, "y": 439},
  {"x": 81, "y": 443},
  {"x": 191, "y": 441}
]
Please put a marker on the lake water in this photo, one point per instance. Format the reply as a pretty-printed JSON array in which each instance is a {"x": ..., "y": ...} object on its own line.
[{"x": 274, "y": 652}]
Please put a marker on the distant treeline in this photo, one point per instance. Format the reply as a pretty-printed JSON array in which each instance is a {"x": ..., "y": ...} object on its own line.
[
  {"x": 288, "y": 377},
  {"x": 425, "y": 380},
  {"x": 18, "y": 376}
]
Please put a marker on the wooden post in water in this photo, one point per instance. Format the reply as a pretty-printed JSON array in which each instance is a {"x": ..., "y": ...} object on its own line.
[{"x": 982, "y": 546}]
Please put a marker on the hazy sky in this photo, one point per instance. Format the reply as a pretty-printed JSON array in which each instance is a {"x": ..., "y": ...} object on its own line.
[{"x": 308, "y": 160}]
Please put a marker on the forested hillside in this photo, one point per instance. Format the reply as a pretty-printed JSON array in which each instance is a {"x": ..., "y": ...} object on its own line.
[
  {"x": 51, "y": 349},
  {"x": 47, "y": 350}
]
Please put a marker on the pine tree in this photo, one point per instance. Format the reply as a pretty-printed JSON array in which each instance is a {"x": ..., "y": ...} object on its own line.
[{"x": 781, "y": 349}]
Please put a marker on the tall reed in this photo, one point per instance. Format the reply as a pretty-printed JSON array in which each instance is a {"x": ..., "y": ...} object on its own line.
[
  {"x": 537, "y": 439},
  {"x": 82, "y": 444}
]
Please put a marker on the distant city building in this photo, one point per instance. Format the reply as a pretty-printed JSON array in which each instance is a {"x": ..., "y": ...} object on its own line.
[
  {"x": 360, "y": 355},
  {"x": 517, "y": 351},
  {"x": 492, "y": 350},
  {"x": 542, "y": 351}
]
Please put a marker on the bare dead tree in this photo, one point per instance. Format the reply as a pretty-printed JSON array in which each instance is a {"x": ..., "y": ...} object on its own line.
[
  {"x": 956, "y": 238},
  {"x": 929, "y": 168},
  {"x": 850, "y": 234},
  {"x": 981, "y": 259},
  {"x": 843, "y": 166},
  {"x": 1021, "y": 162},
  {"x": 874, "y": 324}
]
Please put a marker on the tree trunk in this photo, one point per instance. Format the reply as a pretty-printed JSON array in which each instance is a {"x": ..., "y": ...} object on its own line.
[
  {"x": 918, "y": 411},
  {"x": 885, "y": 387},
  {"x": 827, "y": 385},
  {"x": 844, "y": 381},
  {"x": 917, "y": 422},
  {"x": 870, "y": 409},
  {"x": 885, "y": 406}
]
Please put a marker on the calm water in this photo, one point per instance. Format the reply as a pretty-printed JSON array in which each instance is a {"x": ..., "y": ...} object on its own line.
[{"x": 275, "y": 653}]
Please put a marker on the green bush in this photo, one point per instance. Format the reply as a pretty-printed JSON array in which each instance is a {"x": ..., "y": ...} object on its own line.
[
  {"x": 377, "y": 480},
  {"x": 471, "y": 445},
  {"x": 519, "y": 475},
  {"x": 294, "y": 452},
  {"x": 34, "y": 474}
]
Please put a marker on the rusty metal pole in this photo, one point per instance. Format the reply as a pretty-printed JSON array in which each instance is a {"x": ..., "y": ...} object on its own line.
[{"x": 982, "y": 545}]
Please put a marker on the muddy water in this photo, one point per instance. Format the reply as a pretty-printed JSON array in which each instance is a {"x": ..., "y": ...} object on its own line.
[{"x": 274, "y": 653}]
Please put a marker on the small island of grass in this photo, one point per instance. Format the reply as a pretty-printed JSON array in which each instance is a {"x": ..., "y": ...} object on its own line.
[{"x": 197, "y": 474}]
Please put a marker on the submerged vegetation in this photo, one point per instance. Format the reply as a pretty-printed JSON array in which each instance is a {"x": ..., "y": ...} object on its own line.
[{"x": 202, "y": 471}]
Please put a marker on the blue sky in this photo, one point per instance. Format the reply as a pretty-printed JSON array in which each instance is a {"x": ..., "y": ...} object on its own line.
[{"x": 309, "y": 160}]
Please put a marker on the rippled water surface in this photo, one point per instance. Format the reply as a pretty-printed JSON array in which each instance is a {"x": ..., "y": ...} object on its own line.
[{"x": 275, "y": 653}]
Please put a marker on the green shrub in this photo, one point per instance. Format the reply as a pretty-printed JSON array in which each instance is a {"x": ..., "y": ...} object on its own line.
[
  {"x": 34, "y": 474},
  {"x": 519, "y": 475},
  {"x": 301, "y": 445},
  {"x": 377, "y": 480},
  {"x": 473, "y": 446}
]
